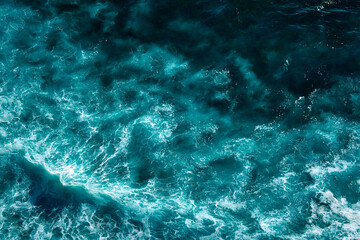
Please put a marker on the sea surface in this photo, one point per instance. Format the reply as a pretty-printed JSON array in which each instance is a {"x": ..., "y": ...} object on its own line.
[{"x": 186, "y": 119}]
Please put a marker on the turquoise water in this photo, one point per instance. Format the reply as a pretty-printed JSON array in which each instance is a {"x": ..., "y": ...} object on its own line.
[{"x": 179, "y": 119}]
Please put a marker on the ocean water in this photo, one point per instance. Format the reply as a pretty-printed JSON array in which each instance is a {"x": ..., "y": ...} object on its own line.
[{"x": 154, "y": 119}]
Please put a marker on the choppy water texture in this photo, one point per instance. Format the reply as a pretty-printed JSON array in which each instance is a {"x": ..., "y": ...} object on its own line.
[{"x": 200, "y": 119}]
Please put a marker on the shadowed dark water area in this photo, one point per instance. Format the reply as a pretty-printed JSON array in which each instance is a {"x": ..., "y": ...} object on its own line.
[{"x": 179, "y": 119}]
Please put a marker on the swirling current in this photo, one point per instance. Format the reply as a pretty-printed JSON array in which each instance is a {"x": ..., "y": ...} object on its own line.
[{"x": 154, "y": 119}]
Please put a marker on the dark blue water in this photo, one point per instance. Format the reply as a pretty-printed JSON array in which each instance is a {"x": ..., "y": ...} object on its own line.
[{"x": 151, "y": 119}]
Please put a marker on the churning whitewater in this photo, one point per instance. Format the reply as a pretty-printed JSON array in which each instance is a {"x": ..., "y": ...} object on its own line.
[{"x": 146, "y": 119}]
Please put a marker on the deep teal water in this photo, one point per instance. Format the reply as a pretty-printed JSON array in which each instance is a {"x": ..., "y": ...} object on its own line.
[{"x": 154, "y": 119}]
